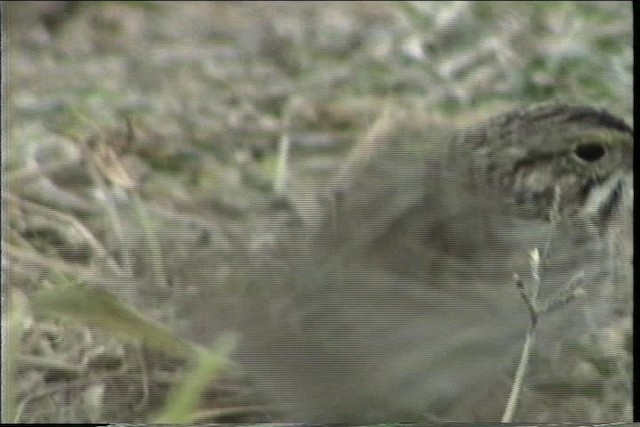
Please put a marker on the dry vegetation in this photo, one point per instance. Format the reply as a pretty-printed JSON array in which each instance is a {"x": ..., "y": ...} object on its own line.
[{"x": 139, "y": 133}]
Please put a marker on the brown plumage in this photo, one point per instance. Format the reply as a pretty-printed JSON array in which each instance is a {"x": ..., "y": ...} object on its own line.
[{"x": 399, "y": 304}]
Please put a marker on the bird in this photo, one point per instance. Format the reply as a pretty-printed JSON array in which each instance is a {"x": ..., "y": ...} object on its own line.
[{"x": 399, "y": 302}]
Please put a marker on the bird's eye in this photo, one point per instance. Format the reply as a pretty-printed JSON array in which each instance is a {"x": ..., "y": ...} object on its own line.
[{"x": 589, "y": 151}]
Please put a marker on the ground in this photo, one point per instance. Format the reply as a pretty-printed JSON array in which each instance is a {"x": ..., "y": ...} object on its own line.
[{"x": 120, "y": 118}]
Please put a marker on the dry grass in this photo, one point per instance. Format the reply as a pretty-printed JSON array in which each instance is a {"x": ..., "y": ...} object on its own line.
[{"x": 145, "y": 139}]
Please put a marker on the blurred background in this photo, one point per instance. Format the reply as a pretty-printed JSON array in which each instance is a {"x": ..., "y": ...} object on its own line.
[{"x": 137, "y": 133}]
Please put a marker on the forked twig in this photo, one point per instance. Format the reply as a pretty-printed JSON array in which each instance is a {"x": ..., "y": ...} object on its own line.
[{"x": 529, "y": 292}]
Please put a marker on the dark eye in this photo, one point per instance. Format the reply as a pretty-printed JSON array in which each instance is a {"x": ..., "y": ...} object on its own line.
[{"x": 590, "y": 151}]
